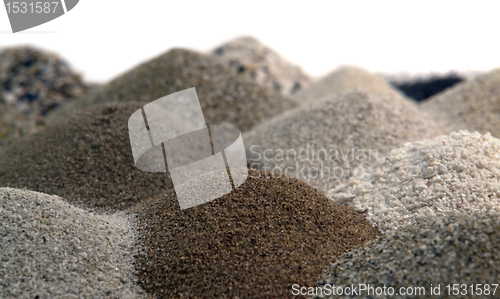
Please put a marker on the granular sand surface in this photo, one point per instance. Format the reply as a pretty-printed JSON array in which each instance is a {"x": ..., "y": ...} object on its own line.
[
  {"x": 86, "y": 159},
  {"x": 454, "y": 249},
  {"x": 249, "y": 58},
  {"x": 223, "y": 96},
  {"x": 51, "y": 249},
  {"x": 252, "y": 243},
  {"x": 343, "y": 80},
  {"x": 336, "y": 138},
  {"x": 456, "y": 172},
  {"x": 473, "y": 105},
  {"x": 37, "y": 81}
]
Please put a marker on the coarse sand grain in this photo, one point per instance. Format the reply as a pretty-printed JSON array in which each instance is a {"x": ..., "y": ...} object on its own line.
[
  {"x": 454, "y": 249},
  {"x": 450, "y": 173},
  {"x": 249, "y": 58},
  {"x": 223, "y": 96},
  {"x": 254, "y": 242},
  {"x": 473, "y": 105},
  {"x": 36, "y": 81},
  {"x": 86, "y": 159},
  {"x": 51, "y": 249},
  {"x": 346, "y": 79},
  {"x": 336, "y": 138}
]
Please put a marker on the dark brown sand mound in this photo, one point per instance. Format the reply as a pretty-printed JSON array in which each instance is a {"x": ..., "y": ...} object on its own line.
[
  {"x": 255, "y": 242},
  {"x": 87, "y": 160},
  {"x": 223, "y": 96}
]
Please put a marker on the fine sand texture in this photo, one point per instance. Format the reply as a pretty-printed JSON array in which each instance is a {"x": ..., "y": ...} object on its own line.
[
  {"x": 86, "y": 159},
  {"x": 473, "y": 105},
  {"x": 51, "y": 249},
  {"x": 459, "y": 172},
  {"x": 336, "y": 138},
  {"x": 346, "y": 79},
  {"x": 249, "y": 58},
  {"x": 223, "y": 96},
  {"x": 461, "y": 249},
  {"x": 252, "y": 243}
]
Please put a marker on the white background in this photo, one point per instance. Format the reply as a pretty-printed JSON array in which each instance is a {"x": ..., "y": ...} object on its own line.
[{"x": 103, "y": 38}]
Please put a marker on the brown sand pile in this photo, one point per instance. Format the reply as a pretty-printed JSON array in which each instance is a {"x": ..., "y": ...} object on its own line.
[
  {"x": 336, "y": 138},
  {"x": 249, "y": 58},
  {"x": 223, "y": 96},
  {"x": 346, "y": 79},
  {"x": 473, "y": 105},
  {"x": 87, "y": 160},
  {"x": 252, "y": 243}
]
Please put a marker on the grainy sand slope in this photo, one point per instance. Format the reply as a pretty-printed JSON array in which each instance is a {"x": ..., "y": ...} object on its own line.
[
  {"x": 456, "y": 172},
  {"x": 352, "y": 131},
  {"x": 455, "y": 249},
  {"x": 51, "y": 249},
  {"x": 223, "y": 96},
  {"x": 473, "y": 105},
  {"x": 343, "y": 80},
  {"x": 251, "y": 59}
]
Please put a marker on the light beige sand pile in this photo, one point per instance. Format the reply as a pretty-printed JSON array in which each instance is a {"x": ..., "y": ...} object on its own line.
[
  {"x": 51, "y": 249},
  {"x": 473, "y": 105},
  {"x": 346, "y": 79},
  {"x": 336, "y": 138},
  {"x": 450, "y": 173},
  {"x": 249, "y": 58}
]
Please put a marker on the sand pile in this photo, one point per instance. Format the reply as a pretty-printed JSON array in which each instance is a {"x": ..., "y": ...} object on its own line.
[
  {"x": 13, "y": 124},
  {"x": 50, "y": 249},
  {"x": 252, "y": 243},
  {"x": 473, "y": 105},
  {"x": 343, "y": 80},
  {"x": 37, "y": 81},
  {"x": 336, "y": 138},
  {"x": 87, "y": 160},
  {"x": 460, "y": 249},
  {"x": 249, "y": 58},
  {"x": 456, "y": 172},
  {"x": 223, "y": 96}
]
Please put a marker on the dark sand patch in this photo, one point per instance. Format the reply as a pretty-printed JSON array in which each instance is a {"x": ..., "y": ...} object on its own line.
[
  {"x": 86, "y": 159},
  {"x": 252, "y": 243},
  {"x": 223, "y": 96}
]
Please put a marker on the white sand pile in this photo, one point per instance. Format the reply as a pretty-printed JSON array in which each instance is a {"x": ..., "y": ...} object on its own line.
[
  {"x": 473, "y": 105},
  {"x": 249, "y": 58},
  {"x": 458, "y": 249},
  {"x": 343, "y": 80},
  {"x": 333, "y": 139},
  {"x": 50, "y": 249},
  {"x": 456, "y": 172}
]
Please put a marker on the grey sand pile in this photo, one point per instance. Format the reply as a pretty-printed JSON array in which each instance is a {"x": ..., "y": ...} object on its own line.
[
  {"x": 473, "y": 105},
  {"x": 249, "y": 58},
  {"x": 51, "y": 249},
  {"x": 455, "y": 249}
]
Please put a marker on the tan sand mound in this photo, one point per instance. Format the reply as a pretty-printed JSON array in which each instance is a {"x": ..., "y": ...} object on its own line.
[
  {"x": 336, "y": 138},
  {"x": 87, "y": 160},
  {"x": 459, "y": 249},
  {"x": 50, "y": 249},
  {"x": 223, "y": 96},
  {"x": 456, "y": 172},
  {"x": 252, "y": 243},
  {"x": 473, "y": 105},
  {"x": 249, "y": 58},
  {"x": 343, "y": 80}
]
